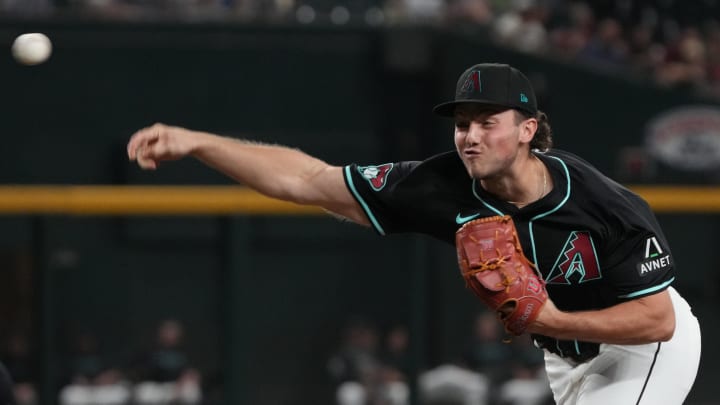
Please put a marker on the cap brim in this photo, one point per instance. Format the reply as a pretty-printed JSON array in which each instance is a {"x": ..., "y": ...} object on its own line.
[{"x": 448, "y": 109}]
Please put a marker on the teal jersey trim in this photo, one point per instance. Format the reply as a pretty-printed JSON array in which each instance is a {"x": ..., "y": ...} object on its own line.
[
  {"x": 577, "y": 347},
  {"x": 530, "y": 223},
  {"x": 363, "y": 204},
  {"x": 490, "y": 207},
  {"x": 564, "y": 200},
  {"x": 648, "y": 290}
]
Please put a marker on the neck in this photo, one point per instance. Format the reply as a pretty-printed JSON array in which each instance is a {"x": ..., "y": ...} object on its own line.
[{"x": 527, "y": 184}]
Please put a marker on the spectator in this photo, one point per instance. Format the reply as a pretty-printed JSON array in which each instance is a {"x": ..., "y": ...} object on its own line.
[
  {"x": 475, "y": 12},
  {"x": 355, "y": 365},
  {"x": 165, "y": 374},
  {"x": 486, "y": 353},
  {"x": 685, "y": 63},
  {"x": 645, "y": 54},
  {"x": 572, "y": 30},
  {"x": 452, "y": 384},
  {"x": 89, "y": 380},
  {"x": 607, "y": 48},
  {"x": 20, "y": 364},
  {"x": 528, "y": 383},
  {"x": 395, "y": 352},
  {"x": 366, "y": 373},
  {"x": 522, "y": 27},
  {"x": 395, "y": 367},
  {"x": 413, "y": 10}
]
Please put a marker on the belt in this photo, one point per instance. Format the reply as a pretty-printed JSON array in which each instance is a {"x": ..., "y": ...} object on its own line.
[{"x": 576, "y": 350}]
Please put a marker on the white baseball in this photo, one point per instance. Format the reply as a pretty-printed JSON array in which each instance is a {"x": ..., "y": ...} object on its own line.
[{"x": 32, "y": 48}]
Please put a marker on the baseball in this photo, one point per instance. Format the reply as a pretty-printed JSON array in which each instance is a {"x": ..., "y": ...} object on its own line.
[{"x": 32, "y": 48}]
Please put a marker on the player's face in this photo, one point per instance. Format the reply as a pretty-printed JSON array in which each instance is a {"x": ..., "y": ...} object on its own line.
[{"x": 488, "y": 140}]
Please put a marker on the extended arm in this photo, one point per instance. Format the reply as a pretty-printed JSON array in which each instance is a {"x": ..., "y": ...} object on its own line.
[
  {"x": 276, "y": 171},
  {"x": 644, "y": 320}
]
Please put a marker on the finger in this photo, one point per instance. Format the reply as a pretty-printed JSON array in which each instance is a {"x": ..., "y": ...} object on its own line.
[
  {"x": 145, "y": 157},
  {"x": 139, "y": 153},
  {"x": 141, "y": 139},
  {"x": 134, "y": 144},
  {"x": 148, "y": 165},
  {"x": 145, "y": 163}
]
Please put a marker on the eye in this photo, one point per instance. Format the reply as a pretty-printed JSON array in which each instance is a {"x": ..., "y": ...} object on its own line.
[
  {"x": 462, "y": 124},
  {"x": 488, "y": 123}
]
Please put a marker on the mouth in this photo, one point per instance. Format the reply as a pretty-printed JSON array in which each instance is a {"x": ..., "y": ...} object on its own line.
[{"x": 471, "y": 153}]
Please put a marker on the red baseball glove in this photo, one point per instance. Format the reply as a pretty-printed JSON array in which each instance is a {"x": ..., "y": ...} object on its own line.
[{"x": 496, "y": 270}]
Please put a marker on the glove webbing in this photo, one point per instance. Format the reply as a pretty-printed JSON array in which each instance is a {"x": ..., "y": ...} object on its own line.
[{"x": 495, "y": 263}]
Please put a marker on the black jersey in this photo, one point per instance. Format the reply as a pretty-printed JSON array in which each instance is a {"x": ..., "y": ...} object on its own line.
[{"x": 595, "y": 242}]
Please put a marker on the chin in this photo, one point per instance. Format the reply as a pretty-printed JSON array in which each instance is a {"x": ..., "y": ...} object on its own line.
[
  {"x": 469, "y": 170},
  {"x": 475, "y": 171}
]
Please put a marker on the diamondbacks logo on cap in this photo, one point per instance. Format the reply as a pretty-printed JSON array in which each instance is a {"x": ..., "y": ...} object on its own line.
[
  {"x": 472, "y": 83},
  {"x": 376, "y": 175}
]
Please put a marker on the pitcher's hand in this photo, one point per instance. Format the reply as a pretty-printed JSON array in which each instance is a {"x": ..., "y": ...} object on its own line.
[{"x": 152, "y": 145}]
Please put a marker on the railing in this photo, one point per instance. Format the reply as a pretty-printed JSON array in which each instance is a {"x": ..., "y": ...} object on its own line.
[{"x": 214, "y": 200}]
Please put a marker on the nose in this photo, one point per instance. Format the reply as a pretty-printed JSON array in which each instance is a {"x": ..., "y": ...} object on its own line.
[{"x": 474, "y": 134}]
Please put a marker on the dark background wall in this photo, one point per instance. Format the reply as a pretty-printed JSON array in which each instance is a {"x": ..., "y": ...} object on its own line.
[{"x": 265, "y": 298}]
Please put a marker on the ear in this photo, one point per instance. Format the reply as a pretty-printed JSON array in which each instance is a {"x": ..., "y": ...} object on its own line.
[{"x": 528, "y": 129}]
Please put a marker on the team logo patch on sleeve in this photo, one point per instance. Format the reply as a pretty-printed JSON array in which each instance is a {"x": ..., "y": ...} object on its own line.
[
  {"x": 655, "y": 258},
  {"x": 376, "y": 175}
]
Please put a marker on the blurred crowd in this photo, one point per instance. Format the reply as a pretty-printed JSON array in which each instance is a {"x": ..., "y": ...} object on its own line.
[
  {"x": 161, "y": 373},
  {"x": 374, "y": 366},
  {"x": 675, "y": 43},
  {"x": 368, "y": 365}
]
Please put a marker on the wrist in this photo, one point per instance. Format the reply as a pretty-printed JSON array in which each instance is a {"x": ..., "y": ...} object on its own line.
[
  {"x": 197, "y": 143},
  {"x": 550, "y": 321}
]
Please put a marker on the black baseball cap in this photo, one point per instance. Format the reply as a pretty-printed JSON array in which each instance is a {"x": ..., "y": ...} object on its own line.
[{"x": 494, "y": 84}]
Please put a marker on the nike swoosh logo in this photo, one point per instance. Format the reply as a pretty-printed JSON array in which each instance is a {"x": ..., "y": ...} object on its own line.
[{"x": 459, "y": 219}]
